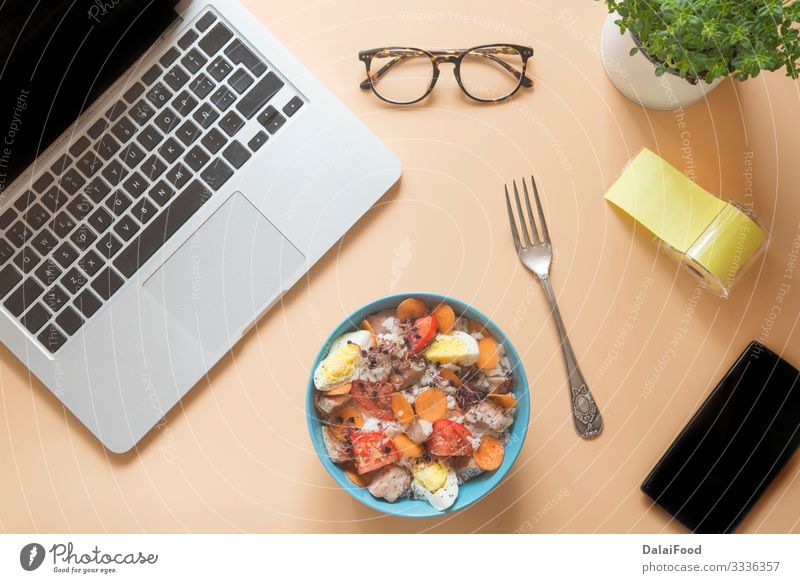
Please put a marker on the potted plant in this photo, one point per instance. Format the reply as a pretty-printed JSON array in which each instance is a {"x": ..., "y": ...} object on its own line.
[{"x": 668, "y": 54}]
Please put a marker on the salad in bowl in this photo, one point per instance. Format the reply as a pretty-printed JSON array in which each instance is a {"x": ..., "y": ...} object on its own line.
[{"x": 415, "y": 400}]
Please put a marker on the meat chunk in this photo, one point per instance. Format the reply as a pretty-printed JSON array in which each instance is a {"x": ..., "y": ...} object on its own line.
[
  {"x": 419, "y": 430},
  {"x": 377, "y": 320},
  {"x": 390, "y": 483},
  {"x": 408, "y": 377},
  {"x": 466, "y": 469},
  {"x": 328, "y": 404},
  {"x": 337, "y": 450},
  {"x": 499, "y": 384},
  {"x": 491, "y": 415}
]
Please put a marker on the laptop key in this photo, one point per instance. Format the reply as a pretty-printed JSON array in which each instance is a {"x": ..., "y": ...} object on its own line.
[
  {"x": 7, "y": 218},
  {"x": 83, "y": 237},
  {"x": 62, "y": 225},
  {"x": 142, "y": 112},
  {"x": 9, "y": 278},
  {"x": 26, "y": 260},
  {"x": 23, "y": 201},
  {"x": 97, "y": 190},
  {"x": 292, "y": 106},
  {"x": 178, "y": 175},
  {"x": 133, "y": 93},
  {"x": 159, "y": 95},
  {"x": 115, "y": 172},
  {"x": 116, "y": 110},
  {"x": 23, "y": 297},
  {"x": 241, "y": 55},
  {"x": 219, "y": 68},
  {"x": 187, "y": 133},
  {"x": 80, "y": 207},
  {"x": 43, "y": 182},
  {"x": 89, "y": 164},
  {"x": 107, "y": 283},
  {"x": 118, "y": 202},
  {"x": 107, "y": 147},
  {"x": 207, "y": 20},
  {"x": 188, "y": 39},
  {"x": 214, "y": 140},
  {"x": 196, "y": 158},
  {"x": 223, "y": 98},
  {"x": 271, "y": 119},
  {"x": 55, "y": 298},
  {"x": 6, "y": 251},
  {"x": 160, "y": 229},
  {"x": 169, "y": 57},
  {"x": 161, "y": 193},
  {"x": 216, "y": 174},
  {"x": 171, "y": 150},
  {"x": 48, "y": 272},
  {"x": 108, "y": 246},
  {"x": 184, "y": 103},
  {"x": 70, "y": 321},
  {"x": 19, "y": 234},
  {"x": 124, "y": 129},
  {"x": 44, "y": 241},
  {"x": 166, "y": 120},
  {"x": 35, "y": 318},
  {"x": 62, "y": 163},
  {"x": 206, "y": 115},
  {"x": 126, "y": 228},
  {"x": 240, "y": 81},
  {"x": 202, "y": 86},
  {"x": 176, "y": 77},
  {"x": 36, "y": 216},
  {"x": 87, "y": 303},
  {"x": 231, "y": 123},
  {"x": 149, "y": 138},
  {"x": 91, "y": 263},
  {"x": 97, "y": 128},
  {"x": 100, "y": 220},
  {"x": 152, "y": 168},
  {"x": 143, "y": 211},
  {"x": 135, "y": 185},
  {"x": 72, "y": 181},
  {"x": 258, "y": 96},
  {"x": 215, "y": 39},
  {"x": 152, "y": 74},
  {"x": 65, "y": 255},
  {"x": 79, "y": 146},
  {"x": 236, "y": 154},
  {"x": 51, "y": 338},
  {"x": 74, "y": 280},
  {"x": 132, "y": 155},
  {"x": 193, "y": 61}
]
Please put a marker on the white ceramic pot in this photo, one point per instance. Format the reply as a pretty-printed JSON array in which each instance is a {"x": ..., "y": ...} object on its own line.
[{"x": 635, "y": 76}]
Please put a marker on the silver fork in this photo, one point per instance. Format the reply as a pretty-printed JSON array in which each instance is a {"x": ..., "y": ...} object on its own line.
[{"x": 537, "y": 254}]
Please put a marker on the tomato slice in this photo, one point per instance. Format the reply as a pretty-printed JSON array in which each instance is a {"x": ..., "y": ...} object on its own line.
[
  {"x": 423, "y": 333},
  {"x": 449, "y": 439},
  {"x": 374, "y": 450},
  {"x": 374, "y": 399}
]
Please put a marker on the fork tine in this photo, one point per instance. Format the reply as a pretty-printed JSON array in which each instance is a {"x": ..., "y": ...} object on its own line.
[
  {"x": 530, "y": 212},
  {"x": 545, "y": 234},
  {"x": 512, "y": 222},
  {"x": 522, "y": 217}
]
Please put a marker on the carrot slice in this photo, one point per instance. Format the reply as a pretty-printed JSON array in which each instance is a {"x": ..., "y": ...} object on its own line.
[
  {"x": 362, "y": 481},
  {"x": 411, "y": 309},
  {"x": 365, "y": 325},
  {"x": 406, "y": 447},
  {"x": 340, "y": 390},
  {"x": 402, "y": 408},
  {"x": 431, "y": 405},
  {"x": 506, "y": 401},
  {"x": 451, "y": 376},
  {"x": 445, "y": 318},
  {"x": 488, "y": 357},
  {"x": 489, "y": 454},
  {"x": 345, "y": 418}
]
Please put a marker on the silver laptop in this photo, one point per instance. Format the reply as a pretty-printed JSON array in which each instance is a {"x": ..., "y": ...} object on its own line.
[{"x": 193, "y": 170}]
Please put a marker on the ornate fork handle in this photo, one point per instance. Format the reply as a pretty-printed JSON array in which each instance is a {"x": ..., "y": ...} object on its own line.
[{"x": 585, "y": 414}]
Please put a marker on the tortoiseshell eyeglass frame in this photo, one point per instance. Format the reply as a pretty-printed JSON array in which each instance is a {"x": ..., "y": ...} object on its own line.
[{"x": 454, "y": 56}]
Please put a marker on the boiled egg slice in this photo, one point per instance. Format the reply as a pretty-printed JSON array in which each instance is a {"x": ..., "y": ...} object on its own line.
[
  {"x": 342, "y": 361},
  {"x": 437, "y": 484},
  {"x": 456, "y": 347}
]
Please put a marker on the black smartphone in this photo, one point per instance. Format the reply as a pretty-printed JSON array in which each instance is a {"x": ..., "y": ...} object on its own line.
[{"x": 733, "y": 447}]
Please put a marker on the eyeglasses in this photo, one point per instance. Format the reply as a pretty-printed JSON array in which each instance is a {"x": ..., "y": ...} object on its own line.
[{"x": 487, "y": 73}]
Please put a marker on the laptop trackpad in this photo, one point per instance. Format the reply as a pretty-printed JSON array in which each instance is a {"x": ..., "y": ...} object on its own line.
[{"x": 225, "y": 273}]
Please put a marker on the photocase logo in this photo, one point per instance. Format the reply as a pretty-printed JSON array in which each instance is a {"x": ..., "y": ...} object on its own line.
[{"x": 31, "y": 556}]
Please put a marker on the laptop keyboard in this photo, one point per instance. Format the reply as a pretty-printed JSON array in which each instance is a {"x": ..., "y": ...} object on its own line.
[{"x": 121, "y": 190}]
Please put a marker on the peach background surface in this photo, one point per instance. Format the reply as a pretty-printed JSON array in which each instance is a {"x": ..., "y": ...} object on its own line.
[{"x": 235, "y": 454}]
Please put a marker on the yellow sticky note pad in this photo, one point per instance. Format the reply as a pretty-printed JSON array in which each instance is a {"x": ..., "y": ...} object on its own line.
[{"x": 714, "y": 238}]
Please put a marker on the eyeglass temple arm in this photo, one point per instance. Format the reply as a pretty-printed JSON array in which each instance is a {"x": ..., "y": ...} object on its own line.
[{"x": 365, "y": 84}]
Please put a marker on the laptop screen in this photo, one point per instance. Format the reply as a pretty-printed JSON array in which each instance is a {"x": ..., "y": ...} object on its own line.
[{"x": 56, "y": 57}]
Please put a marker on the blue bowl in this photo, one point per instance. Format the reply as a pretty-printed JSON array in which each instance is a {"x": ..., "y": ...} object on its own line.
[{"x": 471, "y": 491}]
